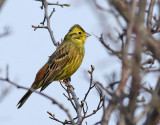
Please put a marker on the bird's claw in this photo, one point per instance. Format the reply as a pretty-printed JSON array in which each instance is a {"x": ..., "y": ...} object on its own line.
[{"x": 66, "y": 84}]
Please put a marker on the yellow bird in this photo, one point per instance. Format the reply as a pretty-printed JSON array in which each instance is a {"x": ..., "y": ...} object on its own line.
[{"x": 62, "y": 63}]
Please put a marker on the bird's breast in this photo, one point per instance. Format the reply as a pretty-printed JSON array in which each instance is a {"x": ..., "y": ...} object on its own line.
[{"x": 73, "y": 64}]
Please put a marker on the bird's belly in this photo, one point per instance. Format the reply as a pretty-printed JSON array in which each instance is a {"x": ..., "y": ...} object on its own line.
[{"x": 71, "y": 67}]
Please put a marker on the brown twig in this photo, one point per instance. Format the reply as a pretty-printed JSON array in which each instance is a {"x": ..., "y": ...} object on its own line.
[
  {"x": 83, "y": 102},
  {"x": 109, "y": 48},
  {"x": 36, "y": 27},
  {"x": 150, "y": 11},
  {"x": 57, "y": 4},
  {"x": 91, "y": 82},
  {"x": 100, "y": 105},
  {"x": 48, "y": 22},
  {"x": 104, "y": 88},
  {"x": 52, "y": 13},
  {"x": 52, "y": 116},
  {"x": 47, "y": 17}
]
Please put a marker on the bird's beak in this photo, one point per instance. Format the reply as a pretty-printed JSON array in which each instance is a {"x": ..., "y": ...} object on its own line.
[{"x": 87, "y": 34}]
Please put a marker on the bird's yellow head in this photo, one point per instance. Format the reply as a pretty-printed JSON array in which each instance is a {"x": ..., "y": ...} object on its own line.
[{"x": 77, "y": 34}]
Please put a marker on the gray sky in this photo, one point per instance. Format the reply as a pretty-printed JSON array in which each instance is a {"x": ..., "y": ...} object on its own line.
[{"x": 26, "y": 51}]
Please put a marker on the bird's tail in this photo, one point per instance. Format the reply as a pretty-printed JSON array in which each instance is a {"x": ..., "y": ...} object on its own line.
[{"x": 24, "y": 98}]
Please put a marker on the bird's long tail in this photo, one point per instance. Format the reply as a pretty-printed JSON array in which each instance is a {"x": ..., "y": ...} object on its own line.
[{"x": 24, "y": 98}]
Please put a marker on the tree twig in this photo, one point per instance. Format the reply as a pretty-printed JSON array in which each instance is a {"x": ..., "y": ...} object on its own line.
[{"x": 48, "y": 22}]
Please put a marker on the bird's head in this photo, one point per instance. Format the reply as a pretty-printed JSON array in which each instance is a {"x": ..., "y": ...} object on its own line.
[{"x": 77, "y": 34}]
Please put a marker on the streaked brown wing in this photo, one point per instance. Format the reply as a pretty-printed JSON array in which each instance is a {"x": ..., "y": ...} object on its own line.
[{"x": 57, "y": 61}]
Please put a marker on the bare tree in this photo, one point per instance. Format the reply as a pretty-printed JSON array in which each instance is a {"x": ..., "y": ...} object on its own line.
[{"x": 139, "y": 53}]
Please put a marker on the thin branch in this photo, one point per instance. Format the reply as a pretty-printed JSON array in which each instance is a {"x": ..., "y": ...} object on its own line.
[
  {"x": 85, "y": 111},
  {"x": 52, "y": 13},
  {"x": 47, "y": 17},
  {"x": 107, "y": 113},
  {"x": 78, "y": 106},
  {"x": 91, "y": 81},
  {"x": 108, "y": 47},
  {"x": 74, "y": 97},
  {"x": 104, "y": 88},
  {"x": 150, "y": 11},
  {"x": 57, "y": 4},
  {"x": 70, "y": 99},
  {"x": 48, "y": 22},
  {"x": 61, "y": 5},
  {"x": 36, "y": 27},
  {"x": 42, "y": 94},
  {"x": 69, "y": 96},
  {"x": 52, "y": 116},
  {"x": 100, "y": 105}
]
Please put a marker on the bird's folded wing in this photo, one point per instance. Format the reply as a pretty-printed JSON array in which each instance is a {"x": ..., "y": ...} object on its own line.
[{"x": 57, "y": 61}]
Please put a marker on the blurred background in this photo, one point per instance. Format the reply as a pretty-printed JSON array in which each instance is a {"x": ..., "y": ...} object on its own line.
[{"x": 26, "y": 51}]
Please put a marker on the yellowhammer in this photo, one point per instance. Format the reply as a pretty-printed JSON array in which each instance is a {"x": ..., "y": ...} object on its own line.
[{"x": 62, "y": 63}]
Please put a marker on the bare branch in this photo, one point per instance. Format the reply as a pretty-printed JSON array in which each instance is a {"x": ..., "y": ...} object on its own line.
[
  {"x": 149, "y": 17},
  {"x": 52, "y": 116},
  {"x": 77, "y": 105},
  {"x": 91, "y": 82},
  {"x": 42, "y": 94},
  {"x": 36, "y": 27},
  {"x": 48, "y": 22},
  {"x": 57, "y": 4}
]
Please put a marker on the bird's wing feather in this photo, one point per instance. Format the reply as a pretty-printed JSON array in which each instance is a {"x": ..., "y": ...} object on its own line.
[{"x": 57, "y": 61}]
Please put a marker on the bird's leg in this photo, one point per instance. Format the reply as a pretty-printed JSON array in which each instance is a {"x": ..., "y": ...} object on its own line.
[{"x": 66, "y": 82}]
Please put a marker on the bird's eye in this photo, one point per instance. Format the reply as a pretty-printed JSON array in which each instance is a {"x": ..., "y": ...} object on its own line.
[{"x": 79, "y": 33}]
